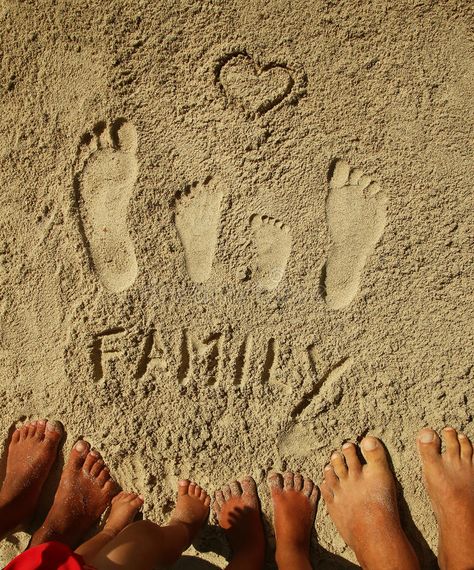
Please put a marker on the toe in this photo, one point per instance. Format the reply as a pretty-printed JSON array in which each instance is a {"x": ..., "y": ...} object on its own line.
[
  {"x": 372, "y": 189},
  {"x": 349, "y": 451},
  {"x": 339, "y": 465},
  {"x": 183, "y": 486},
  {"x": 364, "y": 181},
  {"x": 288, "y": 481},
  {"x": 40, "y": 429},
  {"x": 466, "y": 447},
  {"x": 16, "y": 436},
  {"x": 235, "y": 488},
  {"x": 53, "y": 432},
  {"x": 355, "y": 176},
  {"x": 429, "y": 445},
  {"x": 91, "y": 459},
  {"x": 248, "y": 486},
  {"x": 191, "y": 488},
  {"x": 24, "y": 431},
  {"x": 220, "y": 499},
  {"x": 330, "y": 478},
  {"x": 31, "y": 430},
  {"x": 207, "y": 501},
  {"x": 203, "y": 495},
  {"x": 137, "y": 502},
  {"x": 313, "y": 498},
  {"x": 298, "y": 481},
  {"x": 103, "y": 476},
  {"x": 97, "y": 468},
  {"x": 275, "y": 480},
  {"x": 226, "y": 492},
  {"x": 110, "y": 488},
  {"x": 453, "y": 449},
  {"x": 308, "y": 486},
  {"x": 373, "y": 451},
  {"x": 79, "y": 453},
  {"x": 326, "y": 492}
]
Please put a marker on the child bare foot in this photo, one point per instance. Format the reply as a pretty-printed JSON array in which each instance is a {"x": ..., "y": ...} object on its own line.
[
  {"x": 238, "y": 512},
  {"x": 362, "y": 502},
  {"x": 449, "y": 480},
  {"x": 294, "y": 509},
  {"x": 192, "y": 508},
  {"x": 31, "y": 454},
  {"x": 85, "y": 491},
  {"x": 125, "y": 506}
]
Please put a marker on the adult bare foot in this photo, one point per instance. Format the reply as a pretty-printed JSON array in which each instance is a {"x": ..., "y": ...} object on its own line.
[
  {"x": 449, "y": 480},
  {"x": 362, "y": 502},
  {"x": 85, "y": 491},
  {"x": 238, "y": 512},
  {"x": 125, "y": 506},
  {"x": 295, "y": 501},
  {"x": 31, "y": 454},
  {"x": 192, "y": 508}
]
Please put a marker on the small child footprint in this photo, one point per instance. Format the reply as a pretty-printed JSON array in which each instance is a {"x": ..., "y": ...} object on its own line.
[
  {"x": 356, "y": 217},
  {"x": 197, "y": 222},
  {"x": 104, "y": 187},
  {"x": 273, "y": 242}
]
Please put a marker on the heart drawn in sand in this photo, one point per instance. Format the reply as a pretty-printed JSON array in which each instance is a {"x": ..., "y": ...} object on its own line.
[{"x": 256, "y": 89}]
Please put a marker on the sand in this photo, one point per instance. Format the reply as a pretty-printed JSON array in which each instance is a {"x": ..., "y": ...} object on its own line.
[{"x": 234, "y": 235}]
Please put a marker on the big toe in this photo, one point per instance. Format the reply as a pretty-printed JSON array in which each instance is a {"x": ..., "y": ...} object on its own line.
[
  {"x": 78, "y": 454},
  {"x": 373, "y": 451},
  {"x": 429, "y": 445}
]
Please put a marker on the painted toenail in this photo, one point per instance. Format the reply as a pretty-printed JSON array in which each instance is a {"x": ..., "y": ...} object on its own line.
[
  {"x": 427, "y": 437},
  {"x": 369, "y": 444},
  {"x": 80, "y": 447}
]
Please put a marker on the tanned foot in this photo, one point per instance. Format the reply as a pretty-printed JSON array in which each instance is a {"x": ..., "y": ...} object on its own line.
[
  {"x": 362, "y": 502},
  {"x": 85, "y": 491},
  {"x": 192, "y": 508},
  {"x": 295, "y": 501},
  {"x": 31, "y": 454},
  {"x": 449, "y": 480},
  {"x": 238, "y": 511},
  {"x": 125, "y": 506}
]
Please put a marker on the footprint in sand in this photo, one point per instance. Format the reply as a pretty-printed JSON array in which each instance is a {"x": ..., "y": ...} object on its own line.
[
  {"x": 273, "y": 242},
  {"x": 103, "y": 190},
  {"x": 197, "y": 222},
  {"x": 356, "y": 216}
]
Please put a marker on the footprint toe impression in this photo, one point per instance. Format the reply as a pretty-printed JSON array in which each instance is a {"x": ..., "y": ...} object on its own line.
[{"x": 104, "y": 188}]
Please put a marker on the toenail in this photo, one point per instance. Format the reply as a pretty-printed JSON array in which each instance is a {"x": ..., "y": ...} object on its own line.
[
  {"x": 328, "y": 468},
  {"x": 426, "y": 437},
  {"x": 347, "y": 445},
  {"x": 52, "y": 426},
  {"x": 369, "y": 444},
  {"x": 335, "y": 455},
  {"x": 41, "y": 422},
  {"x": 95, "y": 453},
  {"x": 448, "y": 428},
  {"x": 462, "y": 436},
  {"x": 80, "y": 447}
]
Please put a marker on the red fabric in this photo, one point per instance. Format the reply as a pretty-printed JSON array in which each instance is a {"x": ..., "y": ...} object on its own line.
[{"x": 48, "y": 556}]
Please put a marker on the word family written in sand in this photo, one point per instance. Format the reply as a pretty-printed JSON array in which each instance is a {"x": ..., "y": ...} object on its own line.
[{"x": 204, "y": 357}]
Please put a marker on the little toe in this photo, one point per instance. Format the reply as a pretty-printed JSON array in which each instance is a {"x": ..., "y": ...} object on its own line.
[
  {"x": 235, "y": 488},
  {"x": 79, "y": 453},
  {"x": 349, "y": 450},
  {"x": 466, "y": 447},
  {"x": 288, "y": 481},
  {"x": 339, "y": 465},
  {"x": 429, "y": 445},
  {"x": 373, "y": 451},
  {"x": 298, "y": 481},
  {"x": 331, "y": 478},
  {"x": 275, "y": 480},
  {"x": 453, "y": 449},
  {"x": 183, "y": 486},
  {"x": 308, "y": 486}
]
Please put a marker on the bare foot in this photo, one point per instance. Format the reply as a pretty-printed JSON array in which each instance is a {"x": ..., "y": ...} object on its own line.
[
  {"x": 238, "y": 512},
  {"x": 362, "y": 502},
  {"x": 294, "y": 509},
  {"x": 192, "y": 508},
  {"x": 31, "y": 454},
  {"x": 449, "y": 480},
  {"x": 125, "y": 506},
  {"x": 85, "y": 491}
]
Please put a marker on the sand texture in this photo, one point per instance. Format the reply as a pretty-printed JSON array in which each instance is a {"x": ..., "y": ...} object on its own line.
[{"x": 235, "y": 234}]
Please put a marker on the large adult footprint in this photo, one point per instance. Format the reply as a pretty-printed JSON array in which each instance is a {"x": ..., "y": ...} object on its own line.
[
  {"x": 356, "y": 216},
  {"x": 197, "y": 221},
  {"x": 104, "y": 187},
  {"x": 273, "y": 242}
]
